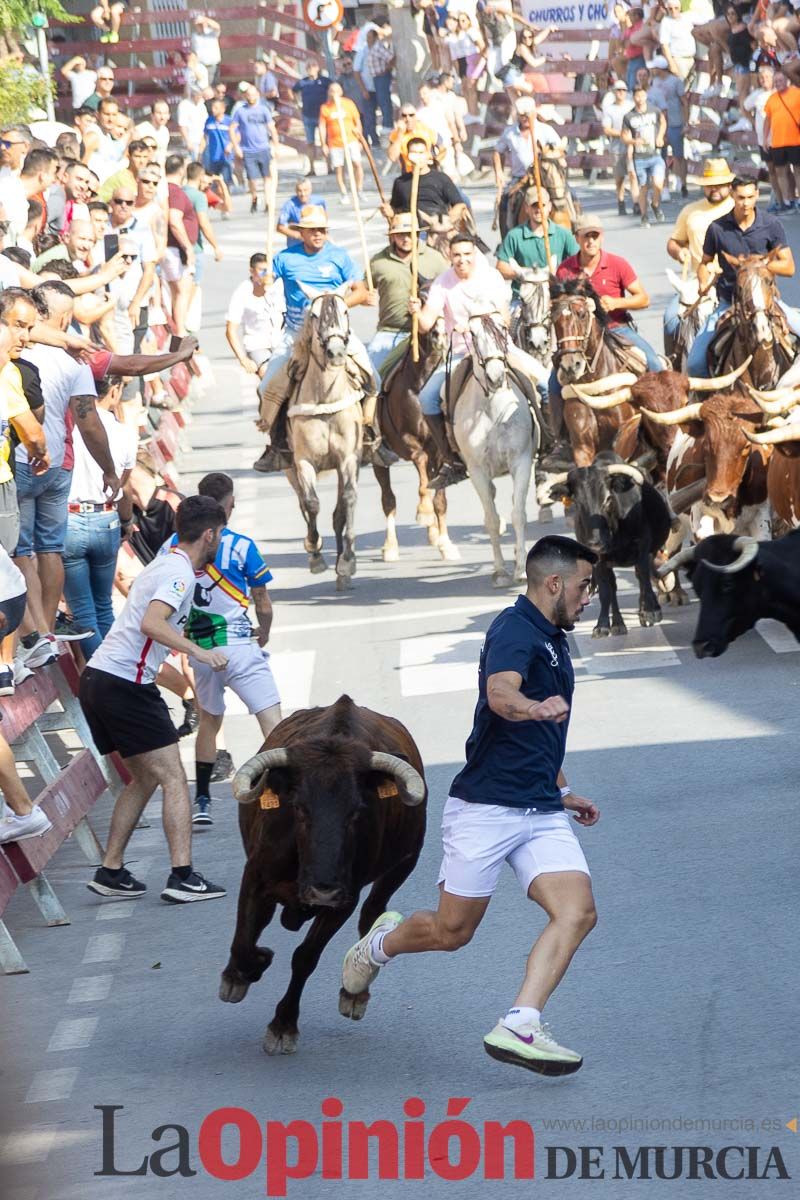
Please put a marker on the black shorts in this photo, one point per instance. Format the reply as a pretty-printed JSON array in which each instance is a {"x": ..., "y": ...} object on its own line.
[
  {"x": 766, "y": 154},
  {"x": 784, "y": 156},
  {"x": 131, "y": 718},
  {"x": 13, "y": 610}
]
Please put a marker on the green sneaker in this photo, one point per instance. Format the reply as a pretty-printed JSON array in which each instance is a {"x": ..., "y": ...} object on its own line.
[
  {"x": 531, "y": 1046},
  {"x": 358, "y": 968}
]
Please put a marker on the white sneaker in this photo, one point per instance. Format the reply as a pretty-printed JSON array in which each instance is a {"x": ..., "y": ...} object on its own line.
[
  {"x": 21, "y": 672},
  {"x": 359, "y": 968},
  {"x": 16, "y": 829},
  {"x": 531, "y": 1046},
  {"x": 42, "y": 653}
]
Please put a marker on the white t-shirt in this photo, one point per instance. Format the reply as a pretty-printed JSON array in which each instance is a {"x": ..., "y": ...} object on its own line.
[
  {"x": 62, "y": 378},
  {"x": 126, "y": 651},
  {"x": 9, "y": 273},
  {"x": 613, "y": 112},
  {"x": 83, "y": 85},
  {"x": 754, "y": 103},
  {"x": 107, "y": 158},
  {"x": 161, "y": 136},
  {"x": 87, "y": 478},
  {"x": 676, "y": 34},
  {"x": 456, "y": 299},
  {"x": 12, "y": 581},
  {"x": 258, "y": 317},
  {"x": 434, "y": 117},
  {"x": 206, "y": 47},
  {"x": 15, "y": 205},
  {"x": 192, "y": 117}
]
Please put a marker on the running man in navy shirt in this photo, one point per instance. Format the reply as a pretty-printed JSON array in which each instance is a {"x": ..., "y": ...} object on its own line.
[
  {"x": 508, "y": 805},
  {"x": 744, "y": 230}
]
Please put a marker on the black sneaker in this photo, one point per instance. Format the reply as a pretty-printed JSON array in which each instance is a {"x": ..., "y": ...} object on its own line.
[
  {"x": 190, "y": 719},
  {"x": 659, "y": 215},
  {"x": 644, "y": 220},
  {"x": 223, "y": 767},
  {"x": 122, "y": 886},
  {"x": 201, "y": 812},
  {"x": 273, "y": 460},
  {"x": 253, "y": 206},
  {"x": 67, "y": 629},
  {"x": 450, "y": 474},
  {"x": 196, "y": 887},
  {"x": 7, "y": 681},
  {"x": 621, "y": 209}
]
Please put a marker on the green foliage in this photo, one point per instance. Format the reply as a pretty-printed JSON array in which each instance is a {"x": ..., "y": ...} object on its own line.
[
  {"x": 16, "y": 14},
  {"x": 20, "y": 91}
]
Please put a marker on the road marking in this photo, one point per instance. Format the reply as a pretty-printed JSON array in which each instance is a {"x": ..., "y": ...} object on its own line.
[
  {"x": 639, "y": 650},
  {"x": 30, "y": 1145},
  {"x": 52, "y": 1085},
  {"x": 778, "y": 637},
  {"x": 105, "y": 947},
  {"x": 72, "y": 1033},
  {"x": 462, "y": 610},
  {"x": 440, "y": 662},
  {"x": 90, "y": 989},
  {"x": 114, "y": 912}
]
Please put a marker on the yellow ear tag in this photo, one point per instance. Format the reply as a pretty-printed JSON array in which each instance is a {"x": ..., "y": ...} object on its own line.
[
  {"x": 269, "y": 799},
  {"x": 387, "y": 790}
]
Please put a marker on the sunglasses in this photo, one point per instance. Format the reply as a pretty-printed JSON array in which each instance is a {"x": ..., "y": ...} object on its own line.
[
  {"x": 105, "y": 78},
  {"x": 152, "y": 182},
  {"x": 408, "y": 114},
  {"x": 129, "y": 258},
  {"x": 6, "y": 142},
  {"x": 127, "y": 203},
  {"x": 151, "y": 145}
]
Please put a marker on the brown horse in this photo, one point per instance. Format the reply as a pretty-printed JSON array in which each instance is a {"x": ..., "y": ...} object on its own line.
[
  {"x": 440, "y": 227},
  {"x": 404, "y": 431},
  {"x": 754, "y": 325},
  {"x": 553, "y": 175}
]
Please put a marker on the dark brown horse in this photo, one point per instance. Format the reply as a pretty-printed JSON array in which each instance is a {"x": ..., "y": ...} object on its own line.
[
  {"x": 404, "y": 430},
  {"x": 754, "y": 325}
]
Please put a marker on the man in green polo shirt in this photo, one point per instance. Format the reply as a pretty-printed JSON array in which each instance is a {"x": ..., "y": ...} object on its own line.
[
  {"x": 523, "y": 246},
  {"x": 391, "y": 274}
]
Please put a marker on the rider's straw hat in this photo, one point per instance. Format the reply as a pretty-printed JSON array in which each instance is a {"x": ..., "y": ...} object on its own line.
[
  {"x": 715, "y": 172},
  {"x": 312, "y": 216}
]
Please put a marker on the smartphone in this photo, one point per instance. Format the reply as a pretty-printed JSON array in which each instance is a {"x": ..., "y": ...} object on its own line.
[
  {"x": 175, "y": 343},
  {"x": 111, "y": 245}
]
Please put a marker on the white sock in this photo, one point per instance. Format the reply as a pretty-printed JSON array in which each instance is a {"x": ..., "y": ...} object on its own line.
[
  {"x": 515, "y": 1017},
  {"x": 376, "y": 951}
]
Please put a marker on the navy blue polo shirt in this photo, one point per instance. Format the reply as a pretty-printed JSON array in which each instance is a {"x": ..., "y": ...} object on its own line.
[
  {"x": 313, "y": 94},
  {"x": 766, "y": 233},
  {"x": 516, "y": 763}
]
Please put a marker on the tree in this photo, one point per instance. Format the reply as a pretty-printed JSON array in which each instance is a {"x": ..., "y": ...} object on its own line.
[{"x": 22, "y": 89}]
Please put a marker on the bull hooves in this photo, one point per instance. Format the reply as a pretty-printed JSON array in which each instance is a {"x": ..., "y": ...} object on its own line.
[
  {"x": 501, "y": 579},
  {"x": 600, "y": 631},
  {"x": 546, "y": 515},
  {"x": 649, "y": 618},
  {"x": 316, "y": 564},
  {"x": 280, "y": 1043},
  {"x": 231, "y": 992},
  {"x": 391, "y": 554},
  {"x": 343, "y": 583},
  {"x": 619, "y": 630},
  {"x": 678, "y": 599},
  {"x": 353, "y": 1007}
]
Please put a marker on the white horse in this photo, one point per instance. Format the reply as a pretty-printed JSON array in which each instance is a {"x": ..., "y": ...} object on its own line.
[
  {"x": 693, "y": 311},
  {"x": 495, "y": 434}
]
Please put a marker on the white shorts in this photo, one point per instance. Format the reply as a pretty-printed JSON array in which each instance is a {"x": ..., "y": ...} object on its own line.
[
  {"x": 479, "y": 838},
  {"x": 336, "y": 154},
  {"x": 173, "y": 267},
  {"x": 248, "y": 674}
]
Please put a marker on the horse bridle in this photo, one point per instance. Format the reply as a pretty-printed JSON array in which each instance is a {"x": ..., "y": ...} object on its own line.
[
  {"x": 562, "y": 308},
  {"x": 502, "y": 354},
  {"x": 326, "y": 335}
]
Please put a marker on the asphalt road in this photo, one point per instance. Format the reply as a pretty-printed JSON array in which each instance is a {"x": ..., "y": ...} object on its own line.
[{"x": 683, "y": 1001}]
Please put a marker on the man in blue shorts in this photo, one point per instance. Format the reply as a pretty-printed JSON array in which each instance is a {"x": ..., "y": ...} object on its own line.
[
  {"x": 643, "y": 130},
  {"x": 253, "y": 137}
]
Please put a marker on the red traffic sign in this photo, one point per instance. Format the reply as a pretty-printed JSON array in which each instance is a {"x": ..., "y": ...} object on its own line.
[{"x": 323, "y": 14}]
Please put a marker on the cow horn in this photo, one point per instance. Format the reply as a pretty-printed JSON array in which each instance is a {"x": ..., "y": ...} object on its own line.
[
  {"x": 719, "y": 381},
  {"x": 253, "y": 769},
  {"x": 626, "y": 469},
  {"x": 684, "y": 556},
  {"x": 646, "y": 461},
  {"x": 599, "y": 403},
  {"x": 598, "y": 387},
  {"x": 412, "y": 781},
  {"x": 774, "y": 403},
  {"x": 747, "y": 548},
  {"x": 773, "y": 437},
  {"x": 689, "y": 412}
]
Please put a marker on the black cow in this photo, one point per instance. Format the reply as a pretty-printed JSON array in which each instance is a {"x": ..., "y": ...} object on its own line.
[
  {"x": 335, "y": 800},
  {"x": 739, "y": 581},
  {"x": 626, "y": 521}
]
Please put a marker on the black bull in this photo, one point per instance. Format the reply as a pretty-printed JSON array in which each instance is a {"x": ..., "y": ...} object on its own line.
[{"x": 334, "y": 801}]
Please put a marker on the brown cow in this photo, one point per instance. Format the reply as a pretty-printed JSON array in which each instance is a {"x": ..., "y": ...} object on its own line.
[
  {"x": 335, "y": 800},
  {"x": 783, "y": 474}
]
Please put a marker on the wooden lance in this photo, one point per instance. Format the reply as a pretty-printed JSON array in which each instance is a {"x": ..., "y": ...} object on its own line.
[
  {"x": 415, "y": 261},
  {"x": 539, "y": 190},
  {"x": 272, "y": 201},
  {"x": 351, "y": 176},
  {"x": 373, "y": 167}
]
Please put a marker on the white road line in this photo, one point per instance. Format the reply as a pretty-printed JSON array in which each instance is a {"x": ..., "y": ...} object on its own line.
[
  {"x": 462, "y": 610},
  {"x": 30, "y": 1145},
  {"x": 115, "y": 912},
  {"x": 72, "y": 1033},
  {"x": 92, "y": 988},
  {"x": 639, "y": 650},
  {"x": 52, "y": 1085},
  {"x": 105, "y": 947},
  {"x": 441, "y": 662},
  {"x": 778, "y": 637}
]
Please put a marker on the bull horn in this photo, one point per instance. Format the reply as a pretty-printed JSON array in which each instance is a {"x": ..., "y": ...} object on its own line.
[
  {"x": 599, "y": 403},
  {"x": 747, "y": 548},
  {"x": 646, "y": 461},
  {"x": 685, "y": 497},
  {"x": 773, "y": 437},
  {"x": 626, "y": 469},
  {"x": 681, "y": 559},
  {"x": 253, "y": 769},
  {"x": 774, "y": 403},
  {"x": 689, "y": 412},
  {"x": 410, "y": 778},
  {"x": 719, "y": 381},
  {"x": 598, "y": 387}
]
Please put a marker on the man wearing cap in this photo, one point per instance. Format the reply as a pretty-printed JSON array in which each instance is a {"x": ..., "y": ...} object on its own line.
[
  {"x": 311, "y": 92},
  {"x": 685, "y": 243},
  {"x": 643, "y": 131},
  {"x": 523, "y": 246},
  {"x": 391, "y": 275},
  {"x": 616, "y": 104},
  {"x": 668, "y": 94},
  {"x": 313, "y": 265},
  {"x": 516, "y": 142}
]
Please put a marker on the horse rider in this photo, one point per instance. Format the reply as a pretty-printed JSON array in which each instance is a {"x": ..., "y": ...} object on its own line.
[
  {"x": 437, "y": 194},
  {"x": 470, "y": 284},
  {"x": 744, "y": 230},
  {"x": 317, "y": 263},
  {"x": 523, "y": 246},
  {"x": 516, "y": 142},
  {"x": 391, "y": 276},
  {"x": 685, "y": 243},
  {"x": 620, "y": 291}
]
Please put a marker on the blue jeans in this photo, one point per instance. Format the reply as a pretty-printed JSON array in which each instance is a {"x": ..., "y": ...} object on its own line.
[
  {"x": 90, "y": 560},
  {"x": 697, "y": 359},
  {"x": 221, "y": 167},
  {"x": 672, "y": 321},
  {"x": 634, "y": 65},
  {"x": 383, "y": 342},
  {"x": 383, "y": 99},
  {"x": 42, "y": 501}
]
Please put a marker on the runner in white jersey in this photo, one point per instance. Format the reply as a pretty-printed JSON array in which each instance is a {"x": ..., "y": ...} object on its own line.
[
  {"x": 218, "y": 618},
  {"x": 126, "y": 713}
]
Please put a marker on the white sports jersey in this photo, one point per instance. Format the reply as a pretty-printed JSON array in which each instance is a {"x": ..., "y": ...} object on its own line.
[{"x": 126, "y": 651}]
